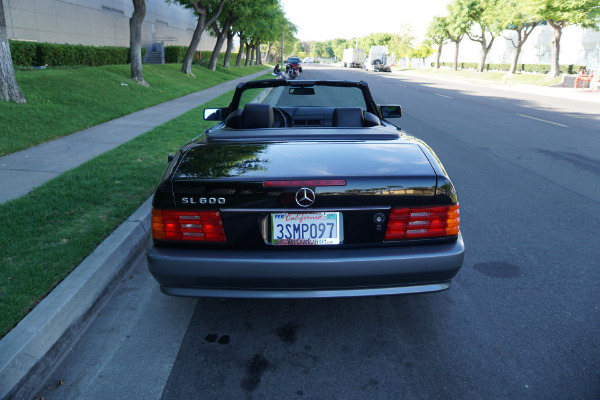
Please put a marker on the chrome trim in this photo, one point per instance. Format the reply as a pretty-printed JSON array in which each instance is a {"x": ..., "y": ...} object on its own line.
[{"x": 300, "y": 293}]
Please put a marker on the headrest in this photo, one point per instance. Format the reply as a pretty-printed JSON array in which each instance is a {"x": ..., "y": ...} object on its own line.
[
  {"x": 371, "y": 119},
  {"x": 257, "y": 115},
  {"x": 348, "y": 117}
]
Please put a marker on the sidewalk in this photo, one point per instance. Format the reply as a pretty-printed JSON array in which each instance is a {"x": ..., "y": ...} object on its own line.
[
  {"x": 586, "y": 95},
  {"x": 24, "y": 171},
  {"x": 32, "y": 348}
]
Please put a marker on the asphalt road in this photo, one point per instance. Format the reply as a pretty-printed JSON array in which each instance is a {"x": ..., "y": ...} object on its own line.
[{"x": 520, "y": 322}]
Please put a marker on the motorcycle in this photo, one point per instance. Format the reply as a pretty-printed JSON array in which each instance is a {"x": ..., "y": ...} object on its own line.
[{"x": 292, "y": 70}]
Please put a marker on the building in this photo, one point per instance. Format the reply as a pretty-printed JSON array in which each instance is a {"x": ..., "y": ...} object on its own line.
[
  {"x": 101, "y": 23},
  {"x": 577, "y": 47}
]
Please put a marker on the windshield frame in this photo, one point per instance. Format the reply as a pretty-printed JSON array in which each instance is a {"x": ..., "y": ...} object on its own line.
[{"x": 273, "y": 83}]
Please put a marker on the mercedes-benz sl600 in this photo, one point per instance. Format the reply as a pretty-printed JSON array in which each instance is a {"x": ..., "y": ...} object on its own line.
[{"x": 304, "y": 189}]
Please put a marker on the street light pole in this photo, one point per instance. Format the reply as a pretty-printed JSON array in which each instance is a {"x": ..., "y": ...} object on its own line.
[{"x": 282, "y": 29}]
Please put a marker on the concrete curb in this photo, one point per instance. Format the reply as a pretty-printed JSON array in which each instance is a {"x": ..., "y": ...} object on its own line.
[{"x": 30, "y": 350}]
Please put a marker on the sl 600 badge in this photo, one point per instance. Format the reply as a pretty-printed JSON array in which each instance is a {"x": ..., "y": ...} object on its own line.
[{"x": 203, "y": 200}]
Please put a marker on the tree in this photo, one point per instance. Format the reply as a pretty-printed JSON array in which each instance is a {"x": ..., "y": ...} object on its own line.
[
  {"x": 401, "y": 43},
  {"x": 298, "y": 47},
  {"x": 339, "y": 45},
  {"x": 488, "y": 16},
  {"x": 208, "y": 11},
  {"x": 456, "y": 25},
  {"x": 423, "y": 51},
  {"x": 375, "y": 39},
  {"x": 9, "y": 89},
  {"x": 229, "y": 48},
  {"x": 238, "y": 60},
  {"x": 135, "y": 41},
  {"x": 437, "y": 34},
  {"x": 318, "y": 48},
  {"x": 221, "y": 35},
  {"x": 262, "y": 21},
  {"x": 520, "y": 20},
  {"x": 562, "y": 13}
]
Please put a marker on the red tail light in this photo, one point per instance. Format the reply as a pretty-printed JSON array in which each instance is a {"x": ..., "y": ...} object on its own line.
[
  {"x": 423, "y": 222},
  {"x": 204, "y": 226}
]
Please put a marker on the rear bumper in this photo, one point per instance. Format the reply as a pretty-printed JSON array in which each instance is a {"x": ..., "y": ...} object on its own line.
[{"x": 305, "y": 273}]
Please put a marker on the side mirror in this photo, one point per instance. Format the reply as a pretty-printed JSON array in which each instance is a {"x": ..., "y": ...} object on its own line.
[
  {"x": 213, "y": 114},
  {"x": 391, "y": 111}
]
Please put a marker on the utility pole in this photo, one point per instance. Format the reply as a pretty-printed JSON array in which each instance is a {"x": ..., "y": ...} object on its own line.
[{"x": 282, "y": 29}]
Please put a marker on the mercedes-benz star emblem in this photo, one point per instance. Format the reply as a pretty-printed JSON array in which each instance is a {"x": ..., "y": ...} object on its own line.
[{"x": 305, "y": 197}]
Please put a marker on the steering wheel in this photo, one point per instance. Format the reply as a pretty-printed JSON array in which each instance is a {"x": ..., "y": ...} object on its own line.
[{"x": 282, "y": 119}]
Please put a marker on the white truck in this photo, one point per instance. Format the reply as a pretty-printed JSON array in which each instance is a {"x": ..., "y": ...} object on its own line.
[
  {"x": 353, "y": 58},
  {"x": 378, "y": 59}
]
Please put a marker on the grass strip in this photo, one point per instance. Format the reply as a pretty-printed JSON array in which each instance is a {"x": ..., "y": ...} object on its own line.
[
  {"x": 491, "y": 76},
  {"x": 64, "y": 101},
  {"x": 46, "y": 234}
]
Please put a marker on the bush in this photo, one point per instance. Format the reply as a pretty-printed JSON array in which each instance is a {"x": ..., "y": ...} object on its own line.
[
  {"x": 176, "y": 54},
  {"x": 59, "y": 55},
  {"x": 23, "y": 53}
]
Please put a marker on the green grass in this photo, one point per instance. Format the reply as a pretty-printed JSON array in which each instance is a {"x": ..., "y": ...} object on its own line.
[
  {"x": 64, "y": 101},
  {"x": 46, "y": 234},
  {"x": 491, "y": 76}
]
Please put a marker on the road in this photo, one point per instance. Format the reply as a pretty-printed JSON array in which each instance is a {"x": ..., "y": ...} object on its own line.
[{"x": 520, "y": 322}]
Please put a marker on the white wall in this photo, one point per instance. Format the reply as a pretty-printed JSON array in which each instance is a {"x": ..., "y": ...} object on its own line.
[
  {"x": 99, "y": 22},
  {"x": 577, "y": 46}
]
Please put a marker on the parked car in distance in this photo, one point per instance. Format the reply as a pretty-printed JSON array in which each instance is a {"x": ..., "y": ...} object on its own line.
[
  {"x": 304, "y": 189},
  {"x": 308, "y": 60}
]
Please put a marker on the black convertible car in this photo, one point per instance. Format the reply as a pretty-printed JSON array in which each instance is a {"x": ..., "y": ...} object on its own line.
[{"x": 304, "y": 189}]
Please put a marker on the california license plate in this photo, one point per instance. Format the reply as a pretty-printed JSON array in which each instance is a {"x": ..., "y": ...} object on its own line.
[{"x": 312, "y": 228}]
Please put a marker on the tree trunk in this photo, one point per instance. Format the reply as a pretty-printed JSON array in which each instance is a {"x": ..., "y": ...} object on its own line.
[
  {"x": 186, "y": 67},
  {"x": 481, "y": 65},
  {"x": 9, "y": 89},
  {"x": 556, "y": 35},
  {"x": 439, "y": 55},
  {"x": 228, "y": 49},
  {"x": 515, "y": 61},
  {"x": 248, "y": 49},
  {"x": 135, "y": 41},
  {"x": 455, "y": 64},
  {"x": 485, "y": 49},
  {"x": 522, "y": 35},
  {"x": 238, "y": 60},
  {"x": 268, "y": 54},
  {"x": 259, "y": 59},
  {"x": 221, "y": 35}
]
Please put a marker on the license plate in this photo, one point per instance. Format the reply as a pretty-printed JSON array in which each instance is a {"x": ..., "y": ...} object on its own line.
[{"x": 314, "y": 228}]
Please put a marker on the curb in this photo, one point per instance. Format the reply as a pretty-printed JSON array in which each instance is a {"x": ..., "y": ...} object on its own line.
[{"x": 30, "y": 350}]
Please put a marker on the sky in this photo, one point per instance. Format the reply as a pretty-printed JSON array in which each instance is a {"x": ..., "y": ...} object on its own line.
[{"x": 330, "y": 19}]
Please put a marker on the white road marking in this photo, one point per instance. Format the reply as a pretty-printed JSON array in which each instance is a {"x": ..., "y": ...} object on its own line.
[
  {"x": 543, "y": 120},
  {"x": 441, "y": 95}
]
